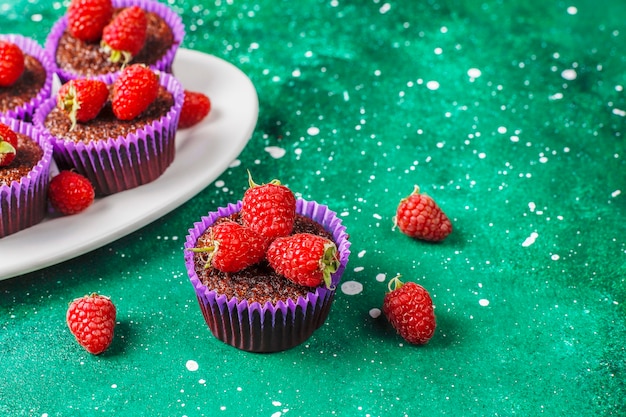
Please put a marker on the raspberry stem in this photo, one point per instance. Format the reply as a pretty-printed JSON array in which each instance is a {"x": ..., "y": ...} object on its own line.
[
  {"x": 395, "y": 283},
  {"x": 329, "y": 263},
  {"x": 211, "y": 250}
]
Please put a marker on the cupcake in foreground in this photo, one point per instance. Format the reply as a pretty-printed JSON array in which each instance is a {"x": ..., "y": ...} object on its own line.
[
  {"x": 119, "y": 135},
  {"x": 96, "y": 38},
  {"x": 26, "y": 74},
  {"x": 25, "y": 158},
  {"x": 233, "y": 256}
]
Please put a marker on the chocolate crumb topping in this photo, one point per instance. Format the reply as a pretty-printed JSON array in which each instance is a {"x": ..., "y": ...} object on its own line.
[
  {"x": 26, "y": 87},
  {"x": 29, "y": 153},
  {"x": 76, "y": 56},
  {"x": 106, "y": 125}
]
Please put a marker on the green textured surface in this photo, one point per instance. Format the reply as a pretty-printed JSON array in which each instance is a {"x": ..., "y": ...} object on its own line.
[{"x": 527, "y": 160}]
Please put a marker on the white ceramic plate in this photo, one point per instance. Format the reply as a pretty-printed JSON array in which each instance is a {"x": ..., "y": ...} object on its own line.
[{"x": 203, "y": 152}]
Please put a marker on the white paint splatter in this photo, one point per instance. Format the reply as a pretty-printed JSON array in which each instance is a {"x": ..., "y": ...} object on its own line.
[
  {"x": 235, "y": 163},
  {"x": 555, "y": 257},
  {"x": 361, "y": 254},
  {"x": 432, "y": 85},
  {"x": 351, "y": 287},
  {"x": 616, "y": 193},
  {"x": 381, "y": 277},
  {"x": 384, "y": 8},
  {"x": 619, "y": 112},
  {"x": 474, "y": 73},
  {"x": 313, "y": 131},
  {"x": 275, "y": 151},
  {"x": 569, "y": 74},
  {"x": 530, "y": 239},
  {"x": 375, "y": 313},
  {"x": 572, "y": 10},
  {"x": 192, "y": 365},
  {"x": 483, "y": 302}
]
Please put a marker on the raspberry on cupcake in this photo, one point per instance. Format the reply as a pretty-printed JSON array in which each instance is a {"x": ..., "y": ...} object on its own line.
[{"x": 97, "y": 38}]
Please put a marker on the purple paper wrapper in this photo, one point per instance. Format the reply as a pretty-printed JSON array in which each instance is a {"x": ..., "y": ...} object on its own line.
[
  {"x": 23, "y": 203},
  {"x": 31, "y": 47},
  {"x": 270, "y": 327},
  {"x": 117, "y": 164},
  {"x": 163, "y": 64}
]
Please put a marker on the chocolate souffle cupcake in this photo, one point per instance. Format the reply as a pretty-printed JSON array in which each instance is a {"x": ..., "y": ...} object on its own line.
[
  {"x": 24, "y": 180},
  {"x": 21, "y": 98},
  {"x": 117, "y": 155},
  {"x": 257, "y": 309},
  {"x": 76, "y": 58}
]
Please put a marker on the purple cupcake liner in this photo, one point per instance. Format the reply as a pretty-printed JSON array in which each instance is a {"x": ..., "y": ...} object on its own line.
[
  {"x": 117, "y": 164},
  {"x": 23, "y": 203},
  {"x": 31, "y": 47},
  {"x": 269, "y": 327},
  {"x": 164, "y": 63}
]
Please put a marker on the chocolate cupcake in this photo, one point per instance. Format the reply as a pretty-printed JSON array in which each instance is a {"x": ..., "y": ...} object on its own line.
[
  {"x": 75, "y": 58},
  {"x": 24, "y": 182},
  {"x": 117, "y": 155},
  {"x": 256, "y": 309},
  {"x": 20, "y": 99}
]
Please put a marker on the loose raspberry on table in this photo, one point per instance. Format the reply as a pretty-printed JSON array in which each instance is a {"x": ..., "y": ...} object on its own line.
[
  {"x": 419, "y": 217},
  {"x": 409, "y": 309},
  {"x": 91, "y": 319}
]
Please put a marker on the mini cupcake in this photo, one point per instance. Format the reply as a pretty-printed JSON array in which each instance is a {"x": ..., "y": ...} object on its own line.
[
  {"x": 34, "y": 85},
  {"x": 271, "y": 313},
  {"x": 116, "y": 154},
  {"x": 78, "y": 58},
  {"x": 24, "y": 180}
]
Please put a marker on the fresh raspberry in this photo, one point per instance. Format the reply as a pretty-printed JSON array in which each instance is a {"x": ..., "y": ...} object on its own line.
[
  {"x": 419, "y": 217},
  {"x": 231, "y": 247},
  {"x": 11, "y": 63},
  {"x": 91, "y": 320},
  {"x": 82, "y": 99},
  {"x": 304, "y": 258},
  {"x": 195, "y": 108},
  {"x": 124, "y": 37},
  {"x": 134, "y": 90},
  {"x": 70, "y": 193},
  {"x": 409, "y": 309},
  {"x": 8, "y": 145},
  {"x": 269, "y": 209},
  {"x": 87, "y": 18}
]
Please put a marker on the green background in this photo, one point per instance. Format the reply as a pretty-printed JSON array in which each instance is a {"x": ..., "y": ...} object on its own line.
[{"x": 527, "y": 157}]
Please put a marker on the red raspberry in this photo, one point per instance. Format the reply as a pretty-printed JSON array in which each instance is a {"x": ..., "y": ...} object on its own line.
[
  {"x": 195, "y": 108},
  {"x": 409, "y": 309},
  {"x": 269, "y": 209},
  {"x": 231, "y": 247},
  {"x": 8, "y": 145},
  {"x": 124, "y": 37},
  {"x": 11, "y": 63},
  {"x": 87, "y": 18},
  {"x": 82, "y": 99},
  {"x": 70, "y": 193},
  {"x": 134, "y": 90},
  {"x": 91, "y": 320},
  {"x": 304, "y": 258},
  {"x": 418, "y": 216}
]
